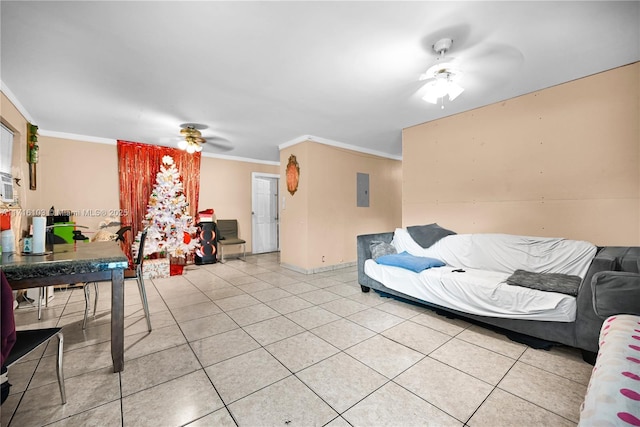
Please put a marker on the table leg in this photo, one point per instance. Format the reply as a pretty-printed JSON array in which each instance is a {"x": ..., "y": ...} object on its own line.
[{"x": 117, "y": 319}]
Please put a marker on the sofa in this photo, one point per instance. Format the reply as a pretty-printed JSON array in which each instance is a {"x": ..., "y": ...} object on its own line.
[{"x": 599, "y": 275}]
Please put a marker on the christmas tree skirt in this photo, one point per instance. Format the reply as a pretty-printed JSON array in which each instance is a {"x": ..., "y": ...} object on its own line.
[{"x": 156, "y": 268}]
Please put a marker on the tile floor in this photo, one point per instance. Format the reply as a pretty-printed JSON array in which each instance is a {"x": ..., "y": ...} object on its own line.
[{"x": 251, "y": 343}]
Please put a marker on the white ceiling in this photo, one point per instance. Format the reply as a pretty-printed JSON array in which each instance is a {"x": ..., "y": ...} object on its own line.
[{"x": 263, "y": 74}]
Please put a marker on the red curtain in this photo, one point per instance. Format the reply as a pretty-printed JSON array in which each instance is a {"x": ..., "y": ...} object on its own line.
[{"x": 138, "y": 165}]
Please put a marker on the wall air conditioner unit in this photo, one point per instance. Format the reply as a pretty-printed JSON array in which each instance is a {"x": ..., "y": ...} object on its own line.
[
  {"x": 6, "y": 150},
  {"x": 6, "y": 188}
]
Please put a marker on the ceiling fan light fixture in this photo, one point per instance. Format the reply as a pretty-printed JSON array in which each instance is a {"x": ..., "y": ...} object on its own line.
[
  {"x": 441, "y": 87},
  {"x": 434, "y": 92},
  {"x": 444, "y": 75},
  {"x": 454, "y": 90},
  {"x": 192, "y": 137}
]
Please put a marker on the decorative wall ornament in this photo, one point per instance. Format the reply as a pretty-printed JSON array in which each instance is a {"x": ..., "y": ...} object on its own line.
[
  {"x": 32, "y": 153},
  {"x": 293, "y": 174}
]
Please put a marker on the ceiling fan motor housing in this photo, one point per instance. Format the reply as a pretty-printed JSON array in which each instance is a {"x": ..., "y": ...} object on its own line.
[{"x": 442, "y": 45}]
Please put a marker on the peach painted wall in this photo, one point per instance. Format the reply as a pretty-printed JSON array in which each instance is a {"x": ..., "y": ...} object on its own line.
[
  {"x": 320, "y": 222},
  {"x": 564, "y": 161},
  {"x": 78, "y": 175},
  {"x": 294, "y": 210},
  {"x": 71, "y": 175},
  {"x": 225, "y": 186}
]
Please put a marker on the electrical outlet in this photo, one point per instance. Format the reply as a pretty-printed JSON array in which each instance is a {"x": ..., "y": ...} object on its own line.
[{"x": 322, "y": 258}]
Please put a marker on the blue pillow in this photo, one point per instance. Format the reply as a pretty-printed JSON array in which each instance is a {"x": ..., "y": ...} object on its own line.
[{"x": 410, "y": 262}]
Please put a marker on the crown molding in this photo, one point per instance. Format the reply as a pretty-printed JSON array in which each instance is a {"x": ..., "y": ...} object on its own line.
[
  {"x": 110, "y": 141},
  {"x": 240, "y": 159},
  {"x": 325, "y": 141},
  {"x": 11, "y": 97},
  {"x": 76, "y": 137}
]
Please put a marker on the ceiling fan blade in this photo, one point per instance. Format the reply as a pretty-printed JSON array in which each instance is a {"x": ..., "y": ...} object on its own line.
[
  {"x": 220, "y": 144},
  {"x": 495, "y": 64},
  {"x": 197, "y": 126},
  {"x": 169, "y": 140},
  {"x": 498, "y": 53}
]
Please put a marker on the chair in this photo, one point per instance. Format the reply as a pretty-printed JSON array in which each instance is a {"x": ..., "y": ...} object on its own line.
[
  {"x": 43, "y": 294},
  {"x": 120, "y": 233},
  {"x": 135, "y": 273},
  {"x": 53, "y": 239},
  {"x": 228, "y": 235},
  {"x": 29, "y": 340}
]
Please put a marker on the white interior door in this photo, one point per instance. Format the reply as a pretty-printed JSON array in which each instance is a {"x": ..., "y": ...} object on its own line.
[{"x": 265, "y": 213}]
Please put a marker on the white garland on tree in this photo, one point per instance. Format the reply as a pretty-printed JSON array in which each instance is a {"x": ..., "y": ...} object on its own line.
[{"x": 169, "y": 225}]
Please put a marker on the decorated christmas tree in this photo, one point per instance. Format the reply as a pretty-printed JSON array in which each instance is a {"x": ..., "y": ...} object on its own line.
[{"x": 169, "y": 226}]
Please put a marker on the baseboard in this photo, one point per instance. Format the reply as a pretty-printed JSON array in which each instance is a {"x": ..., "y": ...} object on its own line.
[{"x": 318, "y": 269}]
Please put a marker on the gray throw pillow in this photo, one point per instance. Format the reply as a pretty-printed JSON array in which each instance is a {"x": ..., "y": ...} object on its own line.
[
  {"x": 550, "y": 282},
  {"x": 427, "y": 235},
  {"x": 380, "y": 248}
]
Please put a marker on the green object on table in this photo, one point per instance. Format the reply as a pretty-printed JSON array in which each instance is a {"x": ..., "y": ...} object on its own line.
[{"x": 65, "y": 233}]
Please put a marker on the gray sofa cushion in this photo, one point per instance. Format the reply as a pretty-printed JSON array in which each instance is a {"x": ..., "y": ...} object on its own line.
[
  {"x": 630, "y": 260},
  {"x": 616, "y": 292},
  {"x": 427, "y": 235}
]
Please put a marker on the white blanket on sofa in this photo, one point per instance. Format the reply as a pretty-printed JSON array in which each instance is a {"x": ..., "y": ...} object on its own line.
[
  {"x": 488, "y": 260},
  {"x": 480, "y": 292},
  {"x": 505, "y": 253}
]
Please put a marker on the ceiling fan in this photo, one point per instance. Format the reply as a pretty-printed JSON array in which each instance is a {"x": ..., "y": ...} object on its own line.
[
  {"x": 484, "y": 62},
  {"x": 444, "y": 75},
  {"x": 193, "y": 139}
]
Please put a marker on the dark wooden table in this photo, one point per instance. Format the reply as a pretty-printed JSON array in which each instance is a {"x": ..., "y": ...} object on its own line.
[{"x": 76, "y": 263}]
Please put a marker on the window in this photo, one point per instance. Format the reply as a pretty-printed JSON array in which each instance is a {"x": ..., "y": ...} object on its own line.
[{"x": 6, "y": 150}]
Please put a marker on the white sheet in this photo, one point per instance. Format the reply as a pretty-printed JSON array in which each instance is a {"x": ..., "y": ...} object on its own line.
[
  {"x": 505, "y": 252},
  {"x": 480, "y": 292}
]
